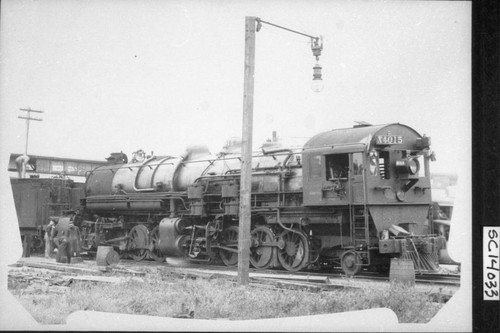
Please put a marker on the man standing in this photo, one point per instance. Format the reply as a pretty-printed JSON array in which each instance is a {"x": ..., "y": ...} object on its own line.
[
  {"x": 48, "y": 238},
  {"x": 64, "y": 244}
]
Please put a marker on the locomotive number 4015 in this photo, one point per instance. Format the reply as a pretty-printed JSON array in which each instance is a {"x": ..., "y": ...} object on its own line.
[{"x": 389, "y": 139}]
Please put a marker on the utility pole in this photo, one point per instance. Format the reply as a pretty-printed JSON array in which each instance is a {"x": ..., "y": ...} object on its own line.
[
  {"x": 22, "y": 160},
  {"x": 253, "y": 24},
  {"x": 246, "y": 154}
]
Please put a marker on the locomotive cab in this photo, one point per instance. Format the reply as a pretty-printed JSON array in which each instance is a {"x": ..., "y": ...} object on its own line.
[
  {"x": 390, "y": 159},
  {"x": 333, "y": 175},
  {"x": 377, "y": 178}
]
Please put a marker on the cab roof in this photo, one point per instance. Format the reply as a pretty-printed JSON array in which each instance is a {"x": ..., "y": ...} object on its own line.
[{"x": 358, "y": 135}]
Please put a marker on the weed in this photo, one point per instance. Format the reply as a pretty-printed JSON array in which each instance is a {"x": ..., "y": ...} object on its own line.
[{"x": 161, "y": 295}]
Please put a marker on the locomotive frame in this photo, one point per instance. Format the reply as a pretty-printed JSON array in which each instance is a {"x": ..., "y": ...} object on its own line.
[{"x": 353, "y": 197}]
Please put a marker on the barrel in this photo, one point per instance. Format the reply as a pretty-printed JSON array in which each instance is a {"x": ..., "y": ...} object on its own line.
[
  {"x": 112, "y": 258},
  {"x": 402, "y": 270},
  {"x": 102, "y": 253}
]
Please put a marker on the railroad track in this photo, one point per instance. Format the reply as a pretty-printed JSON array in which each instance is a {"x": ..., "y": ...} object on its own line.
[
  {"x": 321, "y": 278},
  {"x": 440, "y": 287}
]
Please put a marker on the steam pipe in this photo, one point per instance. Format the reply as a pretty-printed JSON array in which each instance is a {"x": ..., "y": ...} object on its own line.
[{"x": 139, "y": 172}]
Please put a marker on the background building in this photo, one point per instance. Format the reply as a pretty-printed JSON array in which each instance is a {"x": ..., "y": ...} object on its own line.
[{"x": 50, "y": 167}]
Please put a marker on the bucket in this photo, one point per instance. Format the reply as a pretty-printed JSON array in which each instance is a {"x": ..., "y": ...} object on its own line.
[
  {"x": 402, "y": 270},
  {"x": 102, "y": 253}
]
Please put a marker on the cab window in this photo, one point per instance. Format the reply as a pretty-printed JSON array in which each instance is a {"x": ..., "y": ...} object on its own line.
[
  {"x": 357, "y": 163},
  {"x": 315, "y": 166},
  {"x": 337, "y": 166}
]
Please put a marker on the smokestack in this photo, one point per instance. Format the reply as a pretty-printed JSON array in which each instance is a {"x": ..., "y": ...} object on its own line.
[{"x": 274, "y": 136}]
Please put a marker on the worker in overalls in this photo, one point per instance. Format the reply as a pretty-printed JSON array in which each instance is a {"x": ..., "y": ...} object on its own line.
[
  {"x": 49, "y": 247},
  {"x": 67, "y": 243}
]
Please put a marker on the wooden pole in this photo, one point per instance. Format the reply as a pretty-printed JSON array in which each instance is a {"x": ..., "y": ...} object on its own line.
[
  {"x": 28, "y": 118},
  {"x": 246, "y": 154}
]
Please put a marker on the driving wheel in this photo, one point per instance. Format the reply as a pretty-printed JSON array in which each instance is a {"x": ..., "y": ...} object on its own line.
[
  {"x": 295, "y": 254},
  {"x": 229, "y": 239},
  {"x": 138, "y": 242},
  {"x": 154, "y": 240},
  {"x": 261, "y": 254}
]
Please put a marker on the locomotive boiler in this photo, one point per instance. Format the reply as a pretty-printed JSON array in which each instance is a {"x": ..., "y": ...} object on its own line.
[{"x": 353, "y": 197}]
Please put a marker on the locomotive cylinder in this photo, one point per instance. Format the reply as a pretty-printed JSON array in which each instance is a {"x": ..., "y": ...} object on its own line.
[{"x": 170, "y": 237}]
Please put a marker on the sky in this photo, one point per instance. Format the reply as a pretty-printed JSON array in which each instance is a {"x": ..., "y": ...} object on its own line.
[{"x": 160, "y": 75}]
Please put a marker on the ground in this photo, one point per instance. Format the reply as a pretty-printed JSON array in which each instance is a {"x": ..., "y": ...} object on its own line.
[{"x": 50, "y": 295}]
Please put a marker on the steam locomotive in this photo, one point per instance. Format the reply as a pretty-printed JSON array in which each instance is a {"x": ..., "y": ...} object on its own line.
[{"x": 354, "y": 197}]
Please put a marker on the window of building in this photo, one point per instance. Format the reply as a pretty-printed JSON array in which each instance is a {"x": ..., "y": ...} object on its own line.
[
  {"x": 56, "y": 166},
  {"x": 71, "y": 168},
  {"x": 42, "y": 166}
]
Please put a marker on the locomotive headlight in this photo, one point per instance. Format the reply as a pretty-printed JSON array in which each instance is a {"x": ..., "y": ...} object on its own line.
[{"x": 413, "y": 166}]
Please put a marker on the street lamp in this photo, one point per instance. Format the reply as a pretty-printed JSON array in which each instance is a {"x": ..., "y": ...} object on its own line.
[{"x": 317, "y": 47}]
